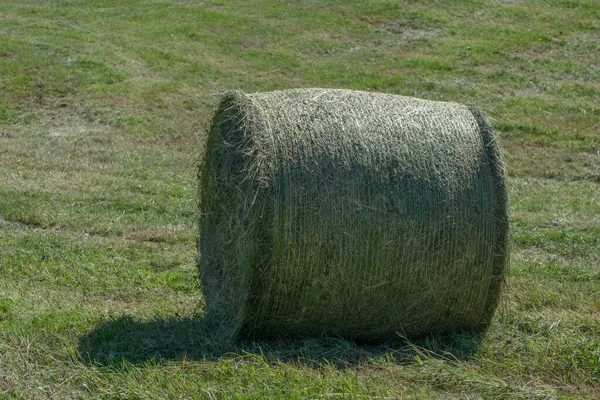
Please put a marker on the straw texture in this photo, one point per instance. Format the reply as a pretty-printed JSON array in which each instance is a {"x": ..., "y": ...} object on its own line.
[{"x": 349, "y": 213}]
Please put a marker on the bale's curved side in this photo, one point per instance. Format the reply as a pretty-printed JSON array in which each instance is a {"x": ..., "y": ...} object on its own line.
[{"x": 350, "y": 213}]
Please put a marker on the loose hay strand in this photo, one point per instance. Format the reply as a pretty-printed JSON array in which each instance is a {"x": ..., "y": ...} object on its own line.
[{"x": 350, "y": 213}]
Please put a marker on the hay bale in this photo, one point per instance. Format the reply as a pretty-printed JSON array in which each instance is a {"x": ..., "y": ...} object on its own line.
[{"x": 349, "y": 213}]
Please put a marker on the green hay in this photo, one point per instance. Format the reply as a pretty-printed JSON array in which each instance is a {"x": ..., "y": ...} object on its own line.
[{"x": 348, "y": 213}]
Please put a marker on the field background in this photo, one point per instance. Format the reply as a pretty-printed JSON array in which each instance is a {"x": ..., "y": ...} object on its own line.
[{"x": 103, "y": 107}]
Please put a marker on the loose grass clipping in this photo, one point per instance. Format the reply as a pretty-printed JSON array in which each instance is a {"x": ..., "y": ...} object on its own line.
[{"x": 364, "y": 215}]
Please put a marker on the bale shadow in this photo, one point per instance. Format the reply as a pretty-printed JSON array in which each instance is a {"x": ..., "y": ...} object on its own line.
[{"x": 126, "y": 339}]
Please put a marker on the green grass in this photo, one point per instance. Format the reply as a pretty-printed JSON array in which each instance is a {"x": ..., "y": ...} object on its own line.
[{"x": 103, "y": 105}]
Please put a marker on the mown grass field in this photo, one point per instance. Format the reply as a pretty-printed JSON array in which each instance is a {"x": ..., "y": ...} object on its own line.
[{"x": 103, "y": 107}]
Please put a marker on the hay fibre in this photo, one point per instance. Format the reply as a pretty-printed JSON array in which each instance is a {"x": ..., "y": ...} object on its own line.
[{"x": 349, "y": 213}]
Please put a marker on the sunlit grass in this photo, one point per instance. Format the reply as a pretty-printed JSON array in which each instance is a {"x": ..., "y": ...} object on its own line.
[{"x": 103, "y": 105}]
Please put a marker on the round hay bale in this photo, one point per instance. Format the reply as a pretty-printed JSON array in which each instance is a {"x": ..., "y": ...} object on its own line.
[{"x": 348, "y": 213}]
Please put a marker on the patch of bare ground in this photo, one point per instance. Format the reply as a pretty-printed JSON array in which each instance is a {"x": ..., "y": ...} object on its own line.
[
  {"x": 545, "y": 162},
  {"x": 8, "y": 382},
  {"x": 407, "y": 31}
]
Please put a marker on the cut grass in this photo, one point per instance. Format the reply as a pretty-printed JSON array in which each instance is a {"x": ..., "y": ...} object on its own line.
[{"x": 102, "y": 110}]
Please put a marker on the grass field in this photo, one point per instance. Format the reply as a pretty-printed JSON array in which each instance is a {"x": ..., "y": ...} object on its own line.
[{"x": 104, "y": 104}]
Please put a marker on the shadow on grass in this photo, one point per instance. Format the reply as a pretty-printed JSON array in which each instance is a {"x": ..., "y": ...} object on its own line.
[{"x": 128, "y": 340}]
